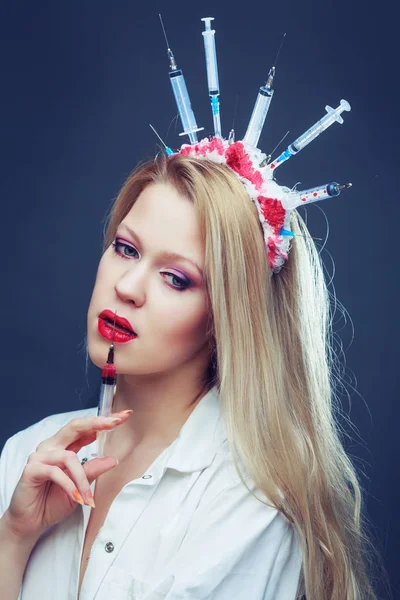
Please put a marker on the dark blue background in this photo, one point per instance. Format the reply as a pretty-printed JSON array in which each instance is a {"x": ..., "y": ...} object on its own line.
[{"x": 81, "y": 81}]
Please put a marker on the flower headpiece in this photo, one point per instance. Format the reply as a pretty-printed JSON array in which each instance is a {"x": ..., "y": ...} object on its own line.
[{"x": 274, "y": 202}]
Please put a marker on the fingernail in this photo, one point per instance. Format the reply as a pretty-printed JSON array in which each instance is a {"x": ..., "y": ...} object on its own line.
[
  {"x": 125, "y": 412},
  {"x": 77, "y": 497},
  {"x": 90, "y": 499},
  {"x": 115, "y": 421}
]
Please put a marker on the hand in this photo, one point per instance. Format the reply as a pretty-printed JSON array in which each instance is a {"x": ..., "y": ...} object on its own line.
[{"x": 54, "y": 480}]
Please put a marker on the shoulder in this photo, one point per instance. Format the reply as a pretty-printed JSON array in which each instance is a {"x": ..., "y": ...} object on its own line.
[
  {"x": 237, "y": 543},
  {"x": 22, "y": 444}
]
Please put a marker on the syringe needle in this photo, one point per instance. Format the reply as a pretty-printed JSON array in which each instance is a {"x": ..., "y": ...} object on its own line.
[
  {"x": 115, "y": 317},
  {"x": 157, "y": 134},
  {"x": 167, "y": 148},
  {"x": 344, "y": 186},
  {"x": 269, "y": 156},
  {"x": 172, "y": 62},
  {"x": 234, "y": 112},
  {"x": 165, "y": 35},
  {"x": 279, "y": 143},
  {"x": 110, "y": 358},
  {"x": 271, "y": 74},
  {"x": 280, "y": 47}
]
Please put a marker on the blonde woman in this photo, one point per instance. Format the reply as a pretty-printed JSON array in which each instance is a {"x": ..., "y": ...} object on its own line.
[{"x": 224, "y": 476}]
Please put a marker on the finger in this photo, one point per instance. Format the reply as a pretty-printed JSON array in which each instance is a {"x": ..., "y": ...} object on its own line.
[
  {"x": 97, "y": 466},
  {"x": 78, "y": 428},
  {"x": 90, "y": 437},
  {"x": 66, "y": 460},
  {"x": 37, "y": 473}
]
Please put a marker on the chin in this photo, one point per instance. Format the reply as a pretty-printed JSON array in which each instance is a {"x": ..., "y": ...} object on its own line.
[
  {"x": 97, "y": 348},
  {"x": 97, "y": 357}
]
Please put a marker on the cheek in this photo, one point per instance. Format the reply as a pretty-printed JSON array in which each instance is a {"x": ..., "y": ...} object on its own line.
[{"x": 184, "y": 323}]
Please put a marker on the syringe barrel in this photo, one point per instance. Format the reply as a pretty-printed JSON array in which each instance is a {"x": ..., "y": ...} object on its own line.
[
  {"x": 183, "y": 101},
  {"x": 258, "y": 116},
  {"x": 105, "y": 399},
  {"x": 320, "y": 126},
  {"x": 211, "y": 61},
  {"x": 310, "y": 135},
  {"x": 320, "y": 192},
  {"x": 105, "y": 408}
]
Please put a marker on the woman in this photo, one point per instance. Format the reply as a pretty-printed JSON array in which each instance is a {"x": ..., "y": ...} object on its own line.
[{"x": 232, "y": 481}]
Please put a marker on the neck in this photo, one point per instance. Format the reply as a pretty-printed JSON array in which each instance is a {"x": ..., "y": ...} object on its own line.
[{"x": 160, "y": 409}]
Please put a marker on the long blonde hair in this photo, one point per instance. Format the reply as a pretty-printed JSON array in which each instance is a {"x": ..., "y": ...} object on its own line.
[{"x": 275, "y": 368}]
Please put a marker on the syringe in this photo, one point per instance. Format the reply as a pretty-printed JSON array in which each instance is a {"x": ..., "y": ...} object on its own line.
[
  {"x": 212, "y": 72},
  {"x": 108, "y": 381},
  {"x": 181, "y": 96},
  {"x": 261, "y": 106},
  {"x": 260, "y": 111},
  {"x": 321, "y": 192},
  {"x": 314, "y": 131}
]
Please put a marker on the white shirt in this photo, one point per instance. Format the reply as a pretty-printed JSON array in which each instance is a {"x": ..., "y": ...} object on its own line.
[{"x": 188, "y": 529}]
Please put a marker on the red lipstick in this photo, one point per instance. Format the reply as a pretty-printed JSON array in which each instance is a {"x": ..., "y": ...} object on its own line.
[{"x": 123, "y": 331}]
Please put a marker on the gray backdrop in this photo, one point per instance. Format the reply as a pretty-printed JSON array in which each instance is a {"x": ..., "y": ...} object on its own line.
[{"x": 81, "y": 81}]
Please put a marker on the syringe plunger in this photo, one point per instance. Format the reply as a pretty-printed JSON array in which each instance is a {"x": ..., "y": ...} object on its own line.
[{"x": 313, "y": 132}]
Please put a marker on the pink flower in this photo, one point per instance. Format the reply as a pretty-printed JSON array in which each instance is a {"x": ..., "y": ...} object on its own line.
[
  {"x": 239, "y": 161},
  {"x": 273, "y": 212},
  {"x": 217, "y": 144}
]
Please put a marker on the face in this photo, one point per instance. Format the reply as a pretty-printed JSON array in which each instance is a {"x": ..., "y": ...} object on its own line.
[{"x": 163, "y": 297}]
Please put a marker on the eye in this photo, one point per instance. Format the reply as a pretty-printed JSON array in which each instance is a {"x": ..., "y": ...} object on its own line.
[
  {"x": 182, "y": 284},
  {"x": 117, "y": 246}
]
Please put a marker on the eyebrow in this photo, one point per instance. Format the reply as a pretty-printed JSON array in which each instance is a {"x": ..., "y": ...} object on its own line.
[{"x": 169, "y": 255}]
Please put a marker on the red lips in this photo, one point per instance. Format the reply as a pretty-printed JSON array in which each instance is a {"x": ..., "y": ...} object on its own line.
[
  {"x": 108, "y": 314},
  {"x": 105, "y": 326}
]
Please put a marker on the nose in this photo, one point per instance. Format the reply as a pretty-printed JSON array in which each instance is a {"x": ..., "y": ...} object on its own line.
[{"x": 130, "y": 286}]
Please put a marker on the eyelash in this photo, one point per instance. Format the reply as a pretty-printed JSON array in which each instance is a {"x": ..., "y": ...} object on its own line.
[{"x": 117, "y": 244}]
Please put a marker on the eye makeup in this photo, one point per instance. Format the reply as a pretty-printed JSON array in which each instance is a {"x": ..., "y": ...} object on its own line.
[
  {"x": 119, "y": 249},
  {"x": 167, "y": 255}
]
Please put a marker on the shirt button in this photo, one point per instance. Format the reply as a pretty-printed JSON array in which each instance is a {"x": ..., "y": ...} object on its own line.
[
  {"x": 109, "y": 547},
  {"x": 83, "y": 461},
  {"x": 147, "y": 476}
]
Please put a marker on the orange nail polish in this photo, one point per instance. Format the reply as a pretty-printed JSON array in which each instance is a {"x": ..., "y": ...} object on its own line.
[
  {"x": 90, "y": 499},
  {"x": 126, "y": 412},
  {"x": 77, "y": 497}
]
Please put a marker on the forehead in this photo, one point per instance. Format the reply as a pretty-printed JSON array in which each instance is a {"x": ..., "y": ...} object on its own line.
[{"x": 166, "y": 221}]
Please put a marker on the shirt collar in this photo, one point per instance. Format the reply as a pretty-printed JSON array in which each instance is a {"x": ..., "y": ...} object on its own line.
[
  {"x": 200, "y": 436},
  {"x": 203, "y": 432}
]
